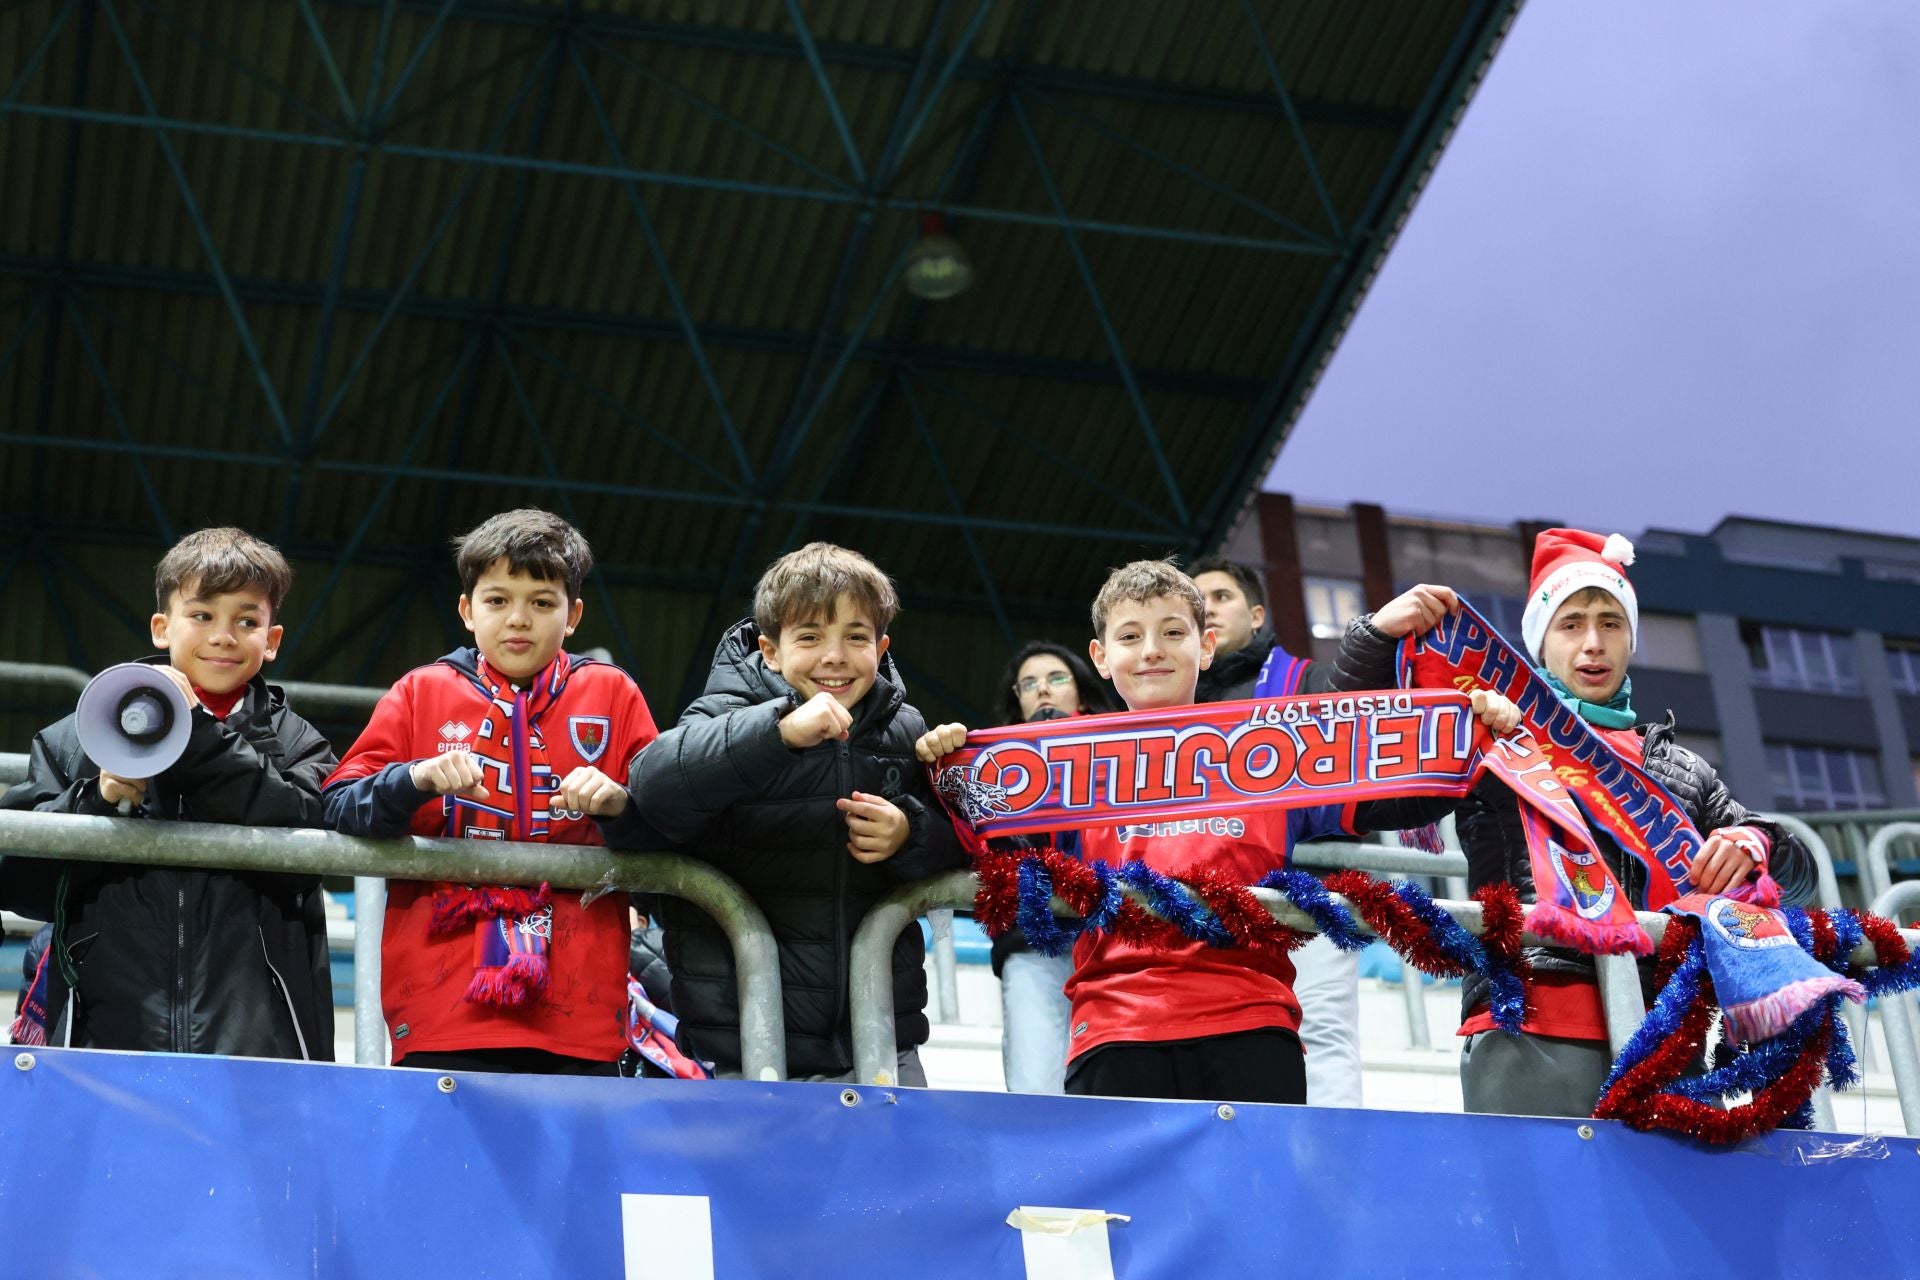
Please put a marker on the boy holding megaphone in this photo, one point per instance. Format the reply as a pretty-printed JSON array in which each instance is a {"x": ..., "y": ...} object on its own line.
[{"x": 169, "y": 958}]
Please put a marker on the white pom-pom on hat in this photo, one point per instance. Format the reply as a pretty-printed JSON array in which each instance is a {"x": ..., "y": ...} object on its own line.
[{"x": 1618, "y": 549}]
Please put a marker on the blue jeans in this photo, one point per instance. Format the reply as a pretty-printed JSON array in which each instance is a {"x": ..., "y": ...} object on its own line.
[{"x": 1033, "y": 1015}]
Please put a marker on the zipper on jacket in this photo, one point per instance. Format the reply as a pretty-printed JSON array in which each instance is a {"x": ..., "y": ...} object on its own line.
[
  {"x": 180, "y": 969},
  {"x": 843, "y": 774},
  {"x": 286, "y": 995}
]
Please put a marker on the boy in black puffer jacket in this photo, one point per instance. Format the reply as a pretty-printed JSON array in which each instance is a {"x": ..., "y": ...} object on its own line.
[
  {"x": 1581, "y": 623},
  {"x": 173, "y": 958},
  {"x": 795, "y": 774}
]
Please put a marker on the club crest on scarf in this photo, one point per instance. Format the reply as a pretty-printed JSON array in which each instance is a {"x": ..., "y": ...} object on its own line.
[
  {"x": 1585, "y": 881},
  {"x": 969, "y": 795},
  {"x": 1747, "y": 927}
]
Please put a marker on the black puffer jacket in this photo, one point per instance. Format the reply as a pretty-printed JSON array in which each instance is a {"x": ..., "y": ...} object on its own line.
[
  {"x": 1233, "y": 676},
  {"x": 1488, "y": 821},
  {"x": 722, "y": 783},
  {"x": 167, "y": 958}
]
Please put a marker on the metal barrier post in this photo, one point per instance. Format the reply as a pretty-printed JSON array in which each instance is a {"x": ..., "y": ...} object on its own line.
[
  {"x": 870, "y": 968},
  {"x": 370, "y": 1046},
  {"x": 13, "y": 768},
  {"x": 763, "y": 1044},
  {"x": 1896, "y": 1013},
  {"x": 304, "y": 691},
  {"x": 1620, "y": 998},
  {"x": 1829, "y": 892},
  {"x": 946, "y": 977},
  {"x": 1829, "y": 889},
  {"x": 1877, "y": 861}
]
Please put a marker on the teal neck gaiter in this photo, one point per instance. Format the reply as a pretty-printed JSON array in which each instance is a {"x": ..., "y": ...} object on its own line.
[{"x": 1615, "y": 713}]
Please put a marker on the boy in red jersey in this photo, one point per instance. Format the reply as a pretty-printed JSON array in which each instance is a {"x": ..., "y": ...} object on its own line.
[
  {"x": 1193, "y": 1021},
  {"x": 504, "y": 741}
]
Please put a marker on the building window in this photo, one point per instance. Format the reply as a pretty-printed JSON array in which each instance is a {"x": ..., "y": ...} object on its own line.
[
  {"x": 1824, "y": 777},
  {"x": 1792, "y": 658},
  {"x": 1668, "y": 642},
  {"x": 1330, "y": 603},
  {"x": 1903, "y": 665}
]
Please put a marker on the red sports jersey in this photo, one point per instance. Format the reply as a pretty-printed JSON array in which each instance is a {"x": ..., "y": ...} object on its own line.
[
  {"x": 1126, "y": 992},
  {"x": 579, "y": 712}
]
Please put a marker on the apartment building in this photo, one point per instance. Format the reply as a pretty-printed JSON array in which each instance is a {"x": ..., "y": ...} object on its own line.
[{"x": 1789, "y": 653}]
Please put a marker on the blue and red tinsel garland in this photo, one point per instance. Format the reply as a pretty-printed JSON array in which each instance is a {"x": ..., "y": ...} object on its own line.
[
  {"x": 1018, "y": 888},
  {"x": 1649, "y": 1088}
]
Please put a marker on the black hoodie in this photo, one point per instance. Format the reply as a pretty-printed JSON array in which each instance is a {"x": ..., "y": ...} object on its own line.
[{"x": 723, "y": 784}]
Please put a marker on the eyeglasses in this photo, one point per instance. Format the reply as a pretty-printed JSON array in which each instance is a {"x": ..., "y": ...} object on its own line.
[{"x": 1056, "y": 681}]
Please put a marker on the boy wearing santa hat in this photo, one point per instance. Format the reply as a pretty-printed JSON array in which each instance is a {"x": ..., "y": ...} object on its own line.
[{"x": 1580, "y": 627}]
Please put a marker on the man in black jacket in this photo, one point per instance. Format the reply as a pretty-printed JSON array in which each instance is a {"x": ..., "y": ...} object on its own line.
[
  {"x": 1237, "y": 612},
  {"x": 795, "y": 774},
  {"x": 168, "y": 958}
]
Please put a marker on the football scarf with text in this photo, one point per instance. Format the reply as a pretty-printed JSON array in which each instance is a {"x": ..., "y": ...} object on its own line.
[
  {"x": 1764, "y": 979},
  {"x": 512, "y": 927},
  {"x": 1464, "y": 652},
  {"x": 1195, "y": 762}
]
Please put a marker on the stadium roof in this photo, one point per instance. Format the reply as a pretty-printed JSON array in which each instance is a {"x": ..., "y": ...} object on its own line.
[{"x": 357, "y": 273}]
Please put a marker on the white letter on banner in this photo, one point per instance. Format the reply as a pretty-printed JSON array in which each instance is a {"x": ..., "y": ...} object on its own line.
[
  {"x": 667, "y": 1236},
  {"x": 1065, "y": 1244}
]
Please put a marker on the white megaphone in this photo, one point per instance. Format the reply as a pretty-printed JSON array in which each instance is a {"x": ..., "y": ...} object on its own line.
[{"x": 133, "y": 721}]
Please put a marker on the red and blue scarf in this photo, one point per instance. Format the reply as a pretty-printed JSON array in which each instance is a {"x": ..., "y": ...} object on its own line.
[
  {"x": 513, "y": 927},
  {"x": 30, "y": 1026},
  {"x": 654, "y": 1034},
  {"x": 1764, "y": 979}
]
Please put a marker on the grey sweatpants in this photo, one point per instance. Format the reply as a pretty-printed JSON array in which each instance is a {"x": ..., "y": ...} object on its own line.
[{"x": 1529, "y": 1075}]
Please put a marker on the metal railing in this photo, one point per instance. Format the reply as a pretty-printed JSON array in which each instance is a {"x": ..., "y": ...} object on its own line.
[
  {"x": 332, "y": 695},
  {"x": 1896, "y": 1014},
  {"x": 79, "y": 838},
  {"x": 1848, "y": 835}
]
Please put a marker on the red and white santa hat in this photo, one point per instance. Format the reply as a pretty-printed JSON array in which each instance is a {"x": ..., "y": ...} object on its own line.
[{"x": 1567, "y": 562}]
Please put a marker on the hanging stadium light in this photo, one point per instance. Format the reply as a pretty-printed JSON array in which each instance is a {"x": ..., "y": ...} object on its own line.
[{"x": 937, "y": 267}]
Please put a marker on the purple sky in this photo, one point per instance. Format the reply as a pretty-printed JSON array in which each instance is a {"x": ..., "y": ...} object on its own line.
[{"x": 1679, "y": 243}]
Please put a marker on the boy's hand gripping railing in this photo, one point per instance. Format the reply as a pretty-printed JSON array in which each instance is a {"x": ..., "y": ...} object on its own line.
[{"x": 763, "y": 1045}]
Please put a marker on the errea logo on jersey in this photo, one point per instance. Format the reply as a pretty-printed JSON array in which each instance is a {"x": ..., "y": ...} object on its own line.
[{"x": 453, "y": 736}]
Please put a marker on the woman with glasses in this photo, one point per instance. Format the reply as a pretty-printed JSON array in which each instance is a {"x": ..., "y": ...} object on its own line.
[{"x": 1042, "y": 682}]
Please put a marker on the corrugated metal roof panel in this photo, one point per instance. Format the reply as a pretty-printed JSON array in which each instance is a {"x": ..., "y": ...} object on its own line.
[{"x": 493, "y": 271}]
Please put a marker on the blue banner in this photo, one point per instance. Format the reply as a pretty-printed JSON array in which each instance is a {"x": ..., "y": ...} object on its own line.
[{"x": 121, "y": 1164}]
